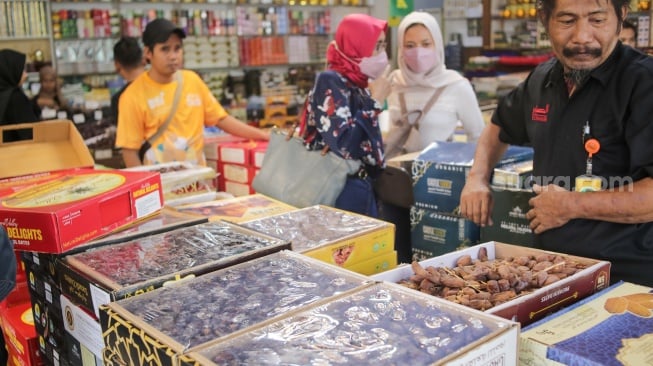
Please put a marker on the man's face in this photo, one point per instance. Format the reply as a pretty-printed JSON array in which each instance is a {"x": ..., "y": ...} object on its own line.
[
  {"x": 166, "y": 58},
  {"x": 583, "y": 33},
  {"x": 627, "y": 36}
]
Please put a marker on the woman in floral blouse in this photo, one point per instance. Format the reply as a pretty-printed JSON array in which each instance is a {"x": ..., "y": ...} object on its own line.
[{"x": 341, "y": 113}]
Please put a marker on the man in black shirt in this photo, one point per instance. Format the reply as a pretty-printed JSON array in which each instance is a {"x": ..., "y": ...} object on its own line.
[
  {"x": 129, "y": 62},
  {"x": 587, "y": 115}
]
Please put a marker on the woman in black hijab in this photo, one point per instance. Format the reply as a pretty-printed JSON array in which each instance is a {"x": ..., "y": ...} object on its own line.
[{"x": 15, "y": 107}]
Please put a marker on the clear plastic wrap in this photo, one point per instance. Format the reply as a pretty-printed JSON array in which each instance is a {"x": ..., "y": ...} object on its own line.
[
  {"x": 176, "y": 251},
  {"x": 380, "y": 325},
  {"x": 181, "y": 179},
  {"x": 219, "y": 303},
  {"x": 313, "y": 226}
]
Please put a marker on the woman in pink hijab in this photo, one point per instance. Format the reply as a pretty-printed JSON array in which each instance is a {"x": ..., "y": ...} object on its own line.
[{"x": 341, "y": 113}]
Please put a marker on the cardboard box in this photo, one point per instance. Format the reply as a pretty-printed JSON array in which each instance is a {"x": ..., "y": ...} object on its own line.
[
  {"x": 181, "y": 180},
  {"x": 112, "y": 272},
  {"x": 238, "y": 152},
  {"x": 83, "y": 330},
  {"x": 440, "y": 171},
  {"x": 238, "y": 209},
  {"x": 534, "y": 305},
  {"x": 212, "y": 144},
  {"x": 510, "y": 224},
  {"x": 517, "y": 176},
  {"x": 612, "y": 327},
  {"x": 67, "y": 212},
  {"x": 238, "y": 189},
  {"x": 331, "y": 235},
  {"x": 9, "y": 186},
  {"x": 391, "y": 326},
  {"x": 378, "y": 264},
  {"x": 258, "y": 154},
  {"x": 20, "y": 336},
  {"x": 55, "y": 145},
  {"x": 434, "y": 233},
  {"x": 236, "y": 173},
  {"x": 217, "y": 305}
]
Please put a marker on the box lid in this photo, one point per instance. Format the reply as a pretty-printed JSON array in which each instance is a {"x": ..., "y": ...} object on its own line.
[
  {"x": 462, "y": 153},
  {"x": 55, "y": 145}
]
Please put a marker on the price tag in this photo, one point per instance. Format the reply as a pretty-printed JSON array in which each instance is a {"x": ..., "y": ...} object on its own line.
[
  {"x": 62, "y": 115},
  {"x": 97, "y": 114}
]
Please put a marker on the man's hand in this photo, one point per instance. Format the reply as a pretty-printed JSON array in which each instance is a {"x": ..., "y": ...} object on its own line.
[
  {"x": 476, "y": 202},
  {"x": 548, "y": 208}
]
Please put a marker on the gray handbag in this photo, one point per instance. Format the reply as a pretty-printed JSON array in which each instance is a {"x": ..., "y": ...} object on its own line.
[{"x": 300, "y": 177}]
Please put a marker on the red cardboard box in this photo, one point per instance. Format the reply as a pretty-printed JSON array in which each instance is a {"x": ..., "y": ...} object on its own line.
[
  {"x": 236, "y": 172},
  {"x": 238, "y": 152},
  {"x": 258, "y": 153},
  {"x": 212, "y": 144},
  {"x": 20, "y": 335},
  {"x": 64, "y": 213}
]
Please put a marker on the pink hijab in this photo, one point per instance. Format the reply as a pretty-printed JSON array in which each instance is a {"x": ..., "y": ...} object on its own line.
[{"x": 355, "y": 38}]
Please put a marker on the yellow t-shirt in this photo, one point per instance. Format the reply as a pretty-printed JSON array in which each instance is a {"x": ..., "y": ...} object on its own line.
[{"x": 145, "y": 105}]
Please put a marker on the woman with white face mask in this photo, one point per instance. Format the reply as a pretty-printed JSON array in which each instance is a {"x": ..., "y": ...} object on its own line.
[
  {"x": 340, "y": 112},
  {"x": 426, "y": 92}
]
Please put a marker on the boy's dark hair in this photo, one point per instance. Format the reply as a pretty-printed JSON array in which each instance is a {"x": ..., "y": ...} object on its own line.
[
  {"x": 128, "y": 53},
  {"x": 545, "y": 8}
]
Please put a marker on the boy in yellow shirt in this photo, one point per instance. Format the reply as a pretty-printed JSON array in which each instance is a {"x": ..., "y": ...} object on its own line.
[{"x": 145, "y": 105}]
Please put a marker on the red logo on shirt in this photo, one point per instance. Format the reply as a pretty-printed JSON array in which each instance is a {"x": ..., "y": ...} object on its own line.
[{"x": 540, "y": 114}]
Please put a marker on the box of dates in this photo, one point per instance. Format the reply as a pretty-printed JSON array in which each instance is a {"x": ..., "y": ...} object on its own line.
[
  {"x": 188, "y": 314},
  {"x": 181, "y": 180},
  {"x": 47, "y": 146},
  {"x": 112, "y": 272},
  {"x": 331, "y": 235},
  {"x": 383, "y": 324},
  {"x": 514, "y": 282},
  {"x": 612, "y": 327},
  {"x": 61, "y": 214},
  {"x": 237, "y": 209}
]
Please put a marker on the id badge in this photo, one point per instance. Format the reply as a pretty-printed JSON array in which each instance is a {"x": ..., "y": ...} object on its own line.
[{"x": 588, "y": 183}]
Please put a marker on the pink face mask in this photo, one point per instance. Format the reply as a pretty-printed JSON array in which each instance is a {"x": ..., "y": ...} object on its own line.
[
  {"x": 374, "y": 66},
  {"x": 421, "y": 59}
]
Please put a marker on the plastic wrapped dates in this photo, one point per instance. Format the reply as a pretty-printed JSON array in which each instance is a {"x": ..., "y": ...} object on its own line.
[
  {"x": 222, "y": 302},
  {"x": 313, "y": 226},
  {"x": 376, "y": 326},
  {"x": 483, "y": 283},
  {"x": 169, "y": 253}
]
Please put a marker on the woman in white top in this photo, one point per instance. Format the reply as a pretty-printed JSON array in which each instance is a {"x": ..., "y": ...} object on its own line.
[{"x": 421, "y": 73}]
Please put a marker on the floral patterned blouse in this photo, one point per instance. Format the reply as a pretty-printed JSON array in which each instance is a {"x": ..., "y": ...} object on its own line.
[{"x": 344, "y": 117}]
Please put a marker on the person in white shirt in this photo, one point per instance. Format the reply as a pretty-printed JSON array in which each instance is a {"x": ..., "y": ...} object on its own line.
[{"x": 421, "y": 73}]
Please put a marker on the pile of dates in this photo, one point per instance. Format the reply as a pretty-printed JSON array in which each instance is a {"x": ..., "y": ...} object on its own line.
[{"x": 482, "y": 283}]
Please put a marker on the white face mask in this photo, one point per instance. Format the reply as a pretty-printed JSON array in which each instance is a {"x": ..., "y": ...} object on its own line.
[
  {"x": 374, "y": 66},
  {"x": 421, "y": 59}
]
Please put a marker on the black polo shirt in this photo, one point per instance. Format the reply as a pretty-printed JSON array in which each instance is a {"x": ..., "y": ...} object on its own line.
[{"x": 617, "y": 104}]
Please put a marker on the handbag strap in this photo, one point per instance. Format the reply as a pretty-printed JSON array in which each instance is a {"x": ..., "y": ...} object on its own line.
[
  {"x": 425, "y": 109},
  {"x": 173, "y": 110}
]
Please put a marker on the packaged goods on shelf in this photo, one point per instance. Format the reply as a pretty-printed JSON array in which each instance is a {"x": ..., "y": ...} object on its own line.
[
  {"x": 335, "y": 236},
  {"x": 181, "y": 181},
  {"x": 524, "y": 298},
  {"x": 612, "y": 327},
  {"x": 188, "y": 314},
  {"x": 66, "y": 212},
  {"x": 381, "y": 325},
  {"x": 112, "y": 272},
  {"x": 237, "y": 209},
  {"x": 517, "y": 175}
]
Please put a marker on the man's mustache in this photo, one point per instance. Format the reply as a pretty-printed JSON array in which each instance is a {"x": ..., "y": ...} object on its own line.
[{"x": 575, "y": 51}]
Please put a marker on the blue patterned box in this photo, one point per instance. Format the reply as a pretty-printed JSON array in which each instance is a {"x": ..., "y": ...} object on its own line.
[
  {"x": 433, "y": 233},
  {"x": 439, "y": 173},
  {"x": 611, "y": 327}
]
